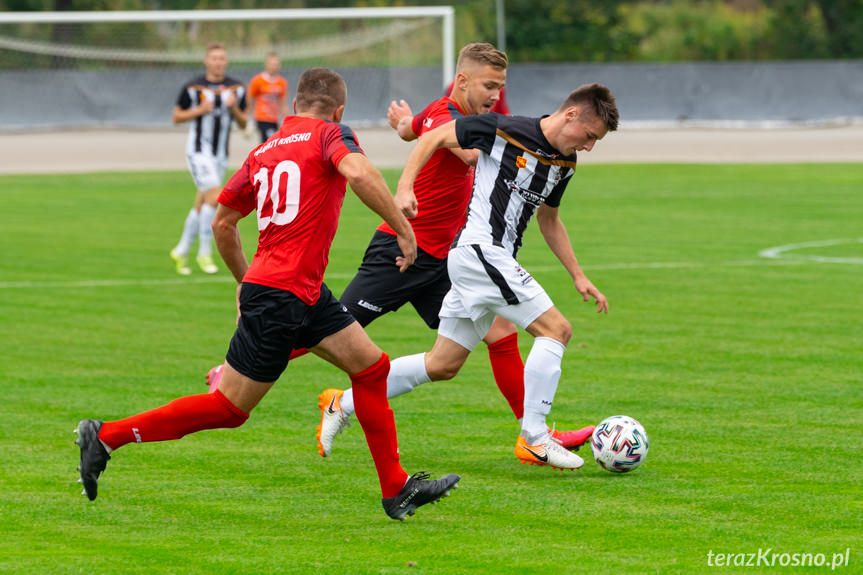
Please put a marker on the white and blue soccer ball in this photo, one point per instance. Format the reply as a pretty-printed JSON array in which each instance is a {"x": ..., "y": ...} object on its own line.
[{"x": 619, "y": 443}]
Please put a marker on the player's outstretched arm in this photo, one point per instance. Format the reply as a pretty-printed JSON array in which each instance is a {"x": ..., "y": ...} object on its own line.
[
  {"x": 442, "y": 137},
  {"x": 554, "y": 232},
  {"x": 227, "y": 236},
  {"x": 369, "y": 185}
]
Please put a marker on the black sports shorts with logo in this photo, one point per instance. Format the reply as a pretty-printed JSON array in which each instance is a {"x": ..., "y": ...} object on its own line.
[
  {"x": 379, "y": 287},
  {"x": 273, "y": 322}
]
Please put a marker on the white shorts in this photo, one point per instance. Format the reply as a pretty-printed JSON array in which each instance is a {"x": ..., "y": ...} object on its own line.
[
  {"x": 487, "y": 281},
  {"x": 207, "y": 170}
]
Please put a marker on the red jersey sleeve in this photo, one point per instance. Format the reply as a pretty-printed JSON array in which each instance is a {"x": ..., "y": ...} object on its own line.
[
  {"x": 337, "y": 141},
  {"x": 437, "y": 114},
  {"x": 239, "y": 193},
  {"x": 418, "y": 119}
]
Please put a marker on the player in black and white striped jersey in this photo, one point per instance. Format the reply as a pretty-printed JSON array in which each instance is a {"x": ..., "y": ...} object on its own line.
[
  {"x": 523, "y": 168},
  {"x": 210, "y": 102}
]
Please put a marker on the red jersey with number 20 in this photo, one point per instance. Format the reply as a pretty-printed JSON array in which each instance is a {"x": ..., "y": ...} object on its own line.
[
  {"x": 292, "y": 182},
  {"x": 442, "y": 187}
]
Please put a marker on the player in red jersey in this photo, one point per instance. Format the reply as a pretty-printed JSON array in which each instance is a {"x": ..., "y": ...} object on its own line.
[
  {"x": 443, "y": 189},
  {"x": 296, "y": 183}
]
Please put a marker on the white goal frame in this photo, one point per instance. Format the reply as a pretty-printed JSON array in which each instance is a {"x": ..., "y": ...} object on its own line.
[{"x": 445, "y": 13}]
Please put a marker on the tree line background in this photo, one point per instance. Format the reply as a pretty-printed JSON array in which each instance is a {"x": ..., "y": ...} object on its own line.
[{"x": 604, "y": 30}]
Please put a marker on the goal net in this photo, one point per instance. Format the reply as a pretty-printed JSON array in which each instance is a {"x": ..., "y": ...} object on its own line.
[{"x": 125, "y": 69}]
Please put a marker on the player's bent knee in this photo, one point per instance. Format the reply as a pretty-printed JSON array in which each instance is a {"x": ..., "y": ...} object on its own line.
[
  {"x": 442, "y": 372},
  {"x": 442, "y": 368},
  {"x": 555, "y": 327},
  {"x": 565, "y": 332},
  {"x": 500, "y": 329}
]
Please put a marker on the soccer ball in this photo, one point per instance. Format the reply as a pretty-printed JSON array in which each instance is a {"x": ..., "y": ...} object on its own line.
[{"x": 619, "y": 443}]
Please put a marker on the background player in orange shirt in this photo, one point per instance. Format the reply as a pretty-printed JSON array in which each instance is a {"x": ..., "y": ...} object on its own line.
[
  {"x": 268, "y": 92},
  {"x": 283, "y": 301}
]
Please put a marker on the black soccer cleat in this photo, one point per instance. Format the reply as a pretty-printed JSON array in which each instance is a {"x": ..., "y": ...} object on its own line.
[
  {"x": 418, "y": 491},
  {"x": 94, "y": 456}
]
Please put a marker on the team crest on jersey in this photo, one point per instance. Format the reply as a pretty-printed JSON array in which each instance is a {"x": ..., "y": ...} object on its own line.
[
  {"x": 428, "y": 123},
  {"x": 521, "y": 162}
]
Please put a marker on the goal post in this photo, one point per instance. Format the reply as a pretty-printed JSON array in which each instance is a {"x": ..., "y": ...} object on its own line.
[{"x": 63, "y": 69}]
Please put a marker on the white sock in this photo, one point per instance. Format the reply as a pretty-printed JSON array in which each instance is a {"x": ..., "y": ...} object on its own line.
[
  {"x": 541, "y": 374},
  {"x": 190, "y": 232},
  {"x": 347, "y": 402},
  {"x": 405, "y": 374},
  {"x": 205, "y": 230}
]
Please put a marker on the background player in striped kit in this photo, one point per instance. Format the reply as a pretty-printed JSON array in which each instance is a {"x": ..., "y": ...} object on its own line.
[
  {"x": 210, "y": 102},
  {"x": 282, "y": 298},
  {"x": 523, "y": 168},
  {"x": 268, "y": 97}
]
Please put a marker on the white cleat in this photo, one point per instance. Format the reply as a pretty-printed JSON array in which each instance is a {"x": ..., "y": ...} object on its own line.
[
  {"x": 333, "y": 420},
  {"x": 547, "y": 450}
]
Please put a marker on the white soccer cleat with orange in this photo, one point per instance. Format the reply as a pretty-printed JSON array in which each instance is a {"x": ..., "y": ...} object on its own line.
[
  {"x": 333, "y": 421},
  {"x": 547, "y": 451}
]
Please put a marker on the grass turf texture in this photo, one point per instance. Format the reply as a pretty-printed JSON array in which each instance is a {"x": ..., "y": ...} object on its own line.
[{"x": 745, "y": 371}]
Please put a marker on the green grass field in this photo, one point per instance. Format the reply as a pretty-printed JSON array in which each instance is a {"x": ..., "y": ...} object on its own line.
[{"x": 745, "y": 371}]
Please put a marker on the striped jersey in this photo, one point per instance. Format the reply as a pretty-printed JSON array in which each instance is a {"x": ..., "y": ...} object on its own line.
[
  {"x": 210, "y": 133},
  {"x": 517, "y": 170}
]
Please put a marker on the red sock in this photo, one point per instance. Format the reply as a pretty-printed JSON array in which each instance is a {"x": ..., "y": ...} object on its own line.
[
  {"x": 508, "y": 369},
  {"x": 298, "y": 353},
  {"x": 174, "y": 420},
  {"x": 378, "y": 423}
]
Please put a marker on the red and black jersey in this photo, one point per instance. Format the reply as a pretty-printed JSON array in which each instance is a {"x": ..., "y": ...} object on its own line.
[
  {"x": 292, "y": 182},
  {"x": 442, "y": 187}
]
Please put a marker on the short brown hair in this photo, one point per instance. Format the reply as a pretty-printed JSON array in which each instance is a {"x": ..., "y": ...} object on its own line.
[
  {"x": 321, "y": 89},
  {"x": 599, "y": 100},
  {"x": 215, "y": 46},
  {"x": 482, "y": 53}
]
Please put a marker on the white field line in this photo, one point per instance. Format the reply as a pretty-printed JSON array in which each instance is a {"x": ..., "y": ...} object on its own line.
[
  {"x": 341, "y": 276},
  {"x": 784, "y": 251}
]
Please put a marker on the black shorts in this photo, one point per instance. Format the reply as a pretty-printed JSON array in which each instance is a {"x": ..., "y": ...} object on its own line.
[
  {"x": 273, "y": 322},
  {"x": 267, "y": 129},
  {"x": 379, "y": 287}
]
